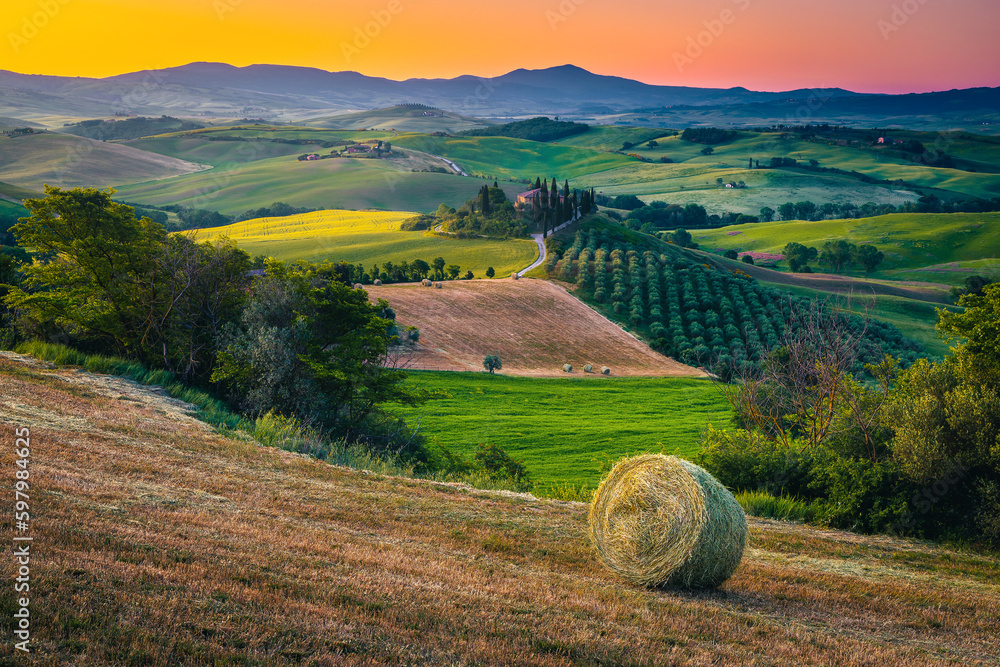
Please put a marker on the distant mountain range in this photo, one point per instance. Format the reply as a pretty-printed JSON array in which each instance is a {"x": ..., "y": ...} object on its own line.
[{"x": 217, "y": 89}]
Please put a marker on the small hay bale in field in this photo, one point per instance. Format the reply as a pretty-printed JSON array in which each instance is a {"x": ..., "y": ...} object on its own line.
[
  {"x": 605, "y": 370},
  {"x": 358, "y": 286},
  {"x": 568, "y": 368},
  {"x": 377, "y": 282},
  {"x": 515, "y": 276},
  {"x": 588, "y": 369},
  {"x": 438, "y": 285},
  {"x": 659, "y": 520},
  {"x": 426, "y": 283}
]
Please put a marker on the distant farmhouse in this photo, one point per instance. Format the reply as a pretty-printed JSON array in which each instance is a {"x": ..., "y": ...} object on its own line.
[{"x": 526, "y": 200}]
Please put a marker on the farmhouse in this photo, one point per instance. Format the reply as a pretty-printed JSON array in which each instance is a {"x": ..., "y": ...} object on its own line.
[{"x": 527, "y": 199}]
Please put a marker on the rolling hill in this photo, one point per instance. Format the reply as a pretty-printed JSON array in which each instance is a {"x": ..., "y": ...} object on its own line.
[
  {"x": 67, "y": 161},
  {"x": 404, "y": 118},
  {"x": 165, "y": 542},
  {"x": 369, "y": 237},
  {"x": 911, "y": 242},
  {"x": 294, "y": 93},
  {"x": 534, "y": 325},
  {"x": 357, "y": 183}
]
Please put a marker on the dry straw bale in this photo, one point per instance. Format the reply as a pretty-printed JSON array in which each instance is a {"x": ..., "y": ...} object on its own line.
[
  {"x": 588, "y": 369},
  {"x": 605, "y": 370},
  {"x": 568, "y": 368},
  {"x": 377, "y": 282},
  {"x": 659, "y": 520}
]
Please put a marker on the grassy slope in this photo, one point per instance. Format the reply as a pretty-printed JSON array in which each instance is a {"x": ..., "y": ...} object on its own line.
[
  {"x": 215, "y": 153},
  {"x": 910, "y": 241},
  {"x": 606, "y": 137},
  {"x": 691, "y": 177},
  {"x": 16, "y": 192},
  {"x": 565, "y": 430},
  {"x": 515, "y": 158},
  {"x": 68, "y": 161},
  {"x": 161, "y": 542},
  {"x": 401, "y": 119},
  {"x": 370, "y": 238},
  {"x": 335, "y": 183}
]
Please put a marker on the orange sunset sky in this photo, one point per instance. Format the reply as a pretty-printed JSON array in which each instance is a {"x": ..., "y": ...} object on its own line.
[{"x": 863, "y": 45}]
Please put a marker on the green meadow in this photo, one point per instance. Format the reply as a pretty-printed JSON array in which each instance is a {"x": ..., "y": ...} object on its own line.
[
  {"x": 910, "y": 241},
  {"x": 567, "y": 430},
  {"x": 369, "y": 237},
  {"x": 505, "y": 157},
  {"x": 357, "y": 183}
]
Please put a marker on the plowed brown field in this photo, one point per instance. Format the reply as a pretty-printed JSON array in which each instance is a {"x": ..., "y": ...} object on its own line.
[{"x": 535, "y": 326}]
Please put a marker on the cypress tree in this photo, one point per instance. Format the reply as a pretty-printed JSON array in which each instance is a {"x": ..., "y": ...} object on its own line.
[
  {"x": 538, "y": 183},
  {"x": 566, "y": 188},
  {"x": 554, "y": 203}
]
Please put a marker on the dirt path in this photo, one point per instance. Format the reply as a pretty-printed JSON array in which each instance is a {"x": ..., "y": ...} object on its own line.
[{"x": 541, "y": 244}]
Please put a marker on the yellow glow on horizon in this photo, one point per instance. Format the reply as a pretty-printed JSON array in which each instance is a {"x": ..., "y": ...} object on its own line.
[{"x": 765, "y": 44}]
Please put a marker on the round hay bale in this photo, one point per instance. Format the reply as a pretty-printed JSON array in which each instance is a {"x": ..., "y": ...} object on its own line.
[
  {"x": 358, "y": 286},
  {"x": 605, "y": 370},
  {"x": 515, "y": 276},
  {"x": 661, "y": 521},
  {"x": 426, "y": 283},
  {"x": 438, "y": 285},
  {"x": 377, "y": 282},
  {"x": 568, "y": 368},
  {"x": 588, "y": 369}
]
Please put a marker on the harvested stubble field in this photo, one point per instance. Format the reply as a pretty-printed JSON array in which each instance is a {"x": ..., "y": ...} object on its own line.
[
  {"x": 534, "y": 325},
  {"x": 159, "y": 542}
]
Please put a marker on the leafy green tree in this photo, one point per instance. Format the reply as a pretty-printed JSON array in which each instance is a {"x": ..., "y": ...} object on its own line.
[
  {"x": 747, "y": 259},
  {"x": 453, "y": 271},
  {"x": 492, "y": 363},
  {"x": 869, "y": 257},
  {"x": 438, "y": 264},
  {"x": 490, "y": 272},
  {"x": 121, "y": 284},
  {"x": 798, "y": 255},
  {"x": 838, "y": 254},
  {"x": 421, "y": 268},
  {"x": 979, "y": 324},
  {"x": 681, "y": 237},
  {"x": 707, "y": 150},
  {"x": 307, "y": 345},
  {"x": 787, "y": 211},
  {"x": 805, "y": 210}
]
